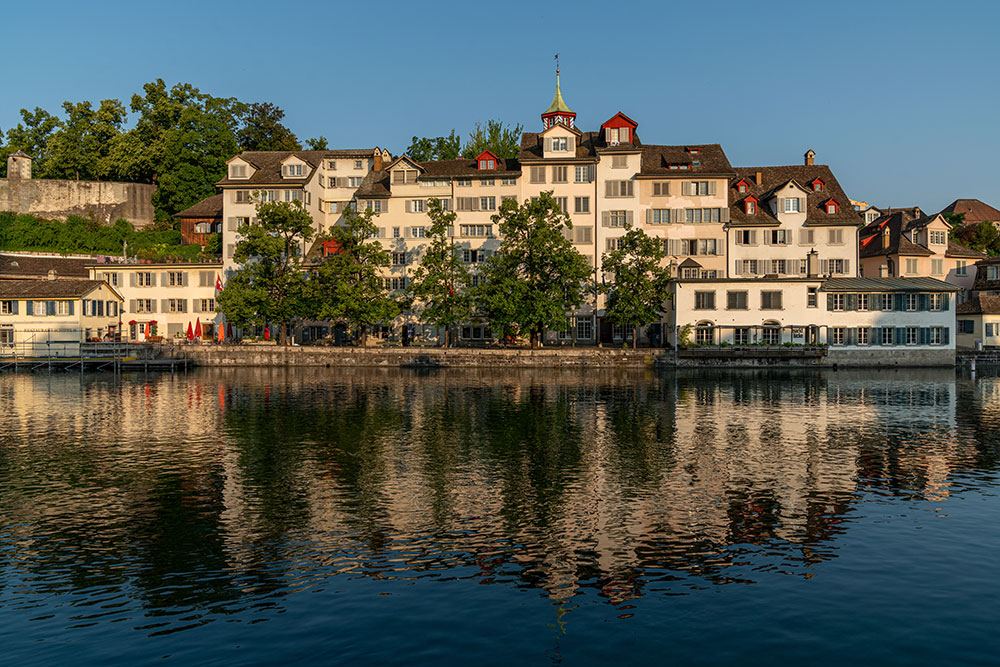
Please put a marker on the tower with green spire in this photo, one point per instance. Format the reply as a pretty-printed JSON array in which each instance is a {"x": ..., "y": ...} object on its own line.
[{"x": 558, "y": 112}]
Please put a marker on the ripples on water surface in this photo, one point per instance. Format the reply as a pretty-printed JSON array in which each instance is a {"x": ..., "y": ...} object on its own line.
[{"x": 230, "y": 517}]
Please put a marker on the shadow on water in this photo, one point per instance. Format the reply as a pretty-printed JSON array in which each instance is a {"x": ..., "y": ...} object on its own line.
[{"x": 175, "y": 501}]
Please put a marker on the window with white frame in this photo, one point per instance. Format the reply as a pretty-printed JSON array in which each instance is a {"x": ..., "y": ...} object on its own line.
[
  {"x": 660, "y": 216},
  {"x": 617, "y": 218},
  {"x": 487, "y": 203},
  {"x": 418, "y": 232},
  {"x": 359, "y": 164},
  {"x": 476, "y": 231},
  {"x": 862, "y": 302},
  {"x": 912, "y": 334},
  {"x": 396, "y": 232},
  {"x": 864, "y": 335},
  {"x": 293, "y": 170},
  {"x": 354, "y": 181},
  {"x": 399, "y": 259},
  {"x": 473, "y": 256},
  {"x": 581, "y": 204},
  {"x": 143, "y": 305},
  {"x": 175, "y": 278},
  {"x": 936, "y": 301},
  {"x": 584, "y": 328},
  {"x": 961, "y": 268},
  {"x": 144, "y": 279},
  {"x": 838, "y": 335},
  {"x": 776, "y": 236},
  {"x": 812, "y": 297},
  {"x": 887, "y": 336},
  {"x": 886, "y": 304},
  {"x": 911, "y": 302},
  {"x": 560, "y": 144},
  {"x": 583, "y": 174},
  {"x": 177, "y": 305},
  {"x": 938, "y": 237},
  {"x": 838, "y": 301},
  {"x": 791, "y": 204},
  {"x": 416, "y": 206},
  {"x": 936, "y": 336},
  {"x": 508, "y": 181}
]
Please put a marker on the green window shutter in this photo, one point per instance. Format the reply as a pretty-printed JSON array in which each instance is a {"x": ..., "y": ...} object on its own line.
[
  {"x": 829, "y": 303},
  {"x": 944, "y": 335},
  {"x": 900, "y": 335},
  {"x": 925, "y": 335},
  {"x": 900, "y": 301},
  {"x": 15, "y": 307},
  {"x": 29, "y": 307},
  {"x": 944, "y": 301},
  {"x": 876, "y": 336},
  {"x": 50, "y": 307},
  {"x": 70, "y": 307},
  {"x": 923, "y": 302}
]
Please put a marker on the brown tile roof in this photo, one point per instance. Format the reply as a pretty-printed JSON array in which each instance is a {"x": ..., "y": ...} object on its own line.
[
  {"x": 587, "y": 145},
  {"x": 210, "y": 207},
  {"x": 376, "y": 183},
  {"x": 982, "y": 283},
  {"x": 981, "y": 305},
  {"x": 871, "y": 236},
  {"x": 975, "y": 211},
  {"x": 711, "y": 159},
  {"x": 268, "y": 165},
  {"x": 959, "y": 250},
  {"x": 47, "y": 289},
  {"x": 773, "y": 178},
  {"x": 38, "y": 266}
]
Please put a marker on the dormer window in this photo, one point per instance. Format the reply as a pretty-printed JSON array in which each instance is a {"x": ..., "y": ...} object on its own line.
[
  {"x": 292, "y": 171},
  {"x": 401, "y": 176},
  {"x": 832, "y": 207},
  {"x": 331, "y": 165},
  {"x": 750, "y": 206},
  {"x": 616, "y": 135},
  {"x": 818, "y": 185},
  {"x": 694, "y": 151},
  {"x": 560, "y": 144},
  {"x": 237, "y": 171},
  {"x": 487, "y": 164},
  {"x": 743, "y": 187}
]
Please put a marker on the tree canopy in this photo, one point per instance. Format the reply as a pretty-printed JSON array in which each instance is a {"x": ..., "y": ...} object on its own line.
[
  {"x": 263, "y": 131},
  {"x": 440, "y": 283},
  {"x": 424, "y": 149},
  {"x": 639, "y": 283},
  {"x": 494, "y": 136},
  {"x": 348, "y": 285},
  {"x": 270, "y": 285},
  {"x": 536, "y": 278}
]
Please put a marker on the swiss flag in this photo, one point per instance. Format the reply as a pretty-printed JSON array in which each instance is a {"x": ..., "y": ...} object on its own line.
[{"x": 218, "y": 283}]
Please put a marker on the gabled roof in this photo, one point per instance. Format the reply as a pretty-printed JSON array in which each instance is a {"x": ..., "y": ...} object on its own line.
[
  {"x": 980, "y": 305},
  {"x": 47, "y": 289},
  {"x": 625, "y": 118},
  {"x": 711, "y": 159},
  {"x": 20, "y": 153},
  {"x": 210, "y": 207},
  {"x": 376, "y": 183},
  {"x": 774, "y": 178},
  {"x": 689, "y": 264},
  {"x": 897, "y": 222},
  {"x": 975, "y": 211},
  {"x": 268, "y": 165},
  {"x": 488, "y": 155},
  {"x": 404, "y": 158}
]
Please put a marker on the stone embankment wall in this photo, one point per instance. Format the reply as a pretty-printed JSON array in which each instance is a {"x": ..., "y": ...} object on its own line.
[
  {"x": 57, "y": 199},
  {"x": 563, "y": 357}
]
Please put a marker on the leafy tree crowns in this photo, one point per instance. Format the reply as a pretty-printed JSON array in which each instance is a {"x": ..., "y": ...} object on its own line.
[
  {"x": 536, "y": 277},
  {"x": 270, "y": 285},
  {"x": 640, "y": 283},
  {"x": 440, "y": 283},
  {"x": 348, "y": 286}
]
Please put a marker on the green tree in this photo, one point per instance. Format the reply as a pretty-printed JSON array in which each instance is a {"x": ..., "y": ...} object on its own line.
[
  {"x": 494, "y": 136},
  {"x": 181, "y": 141},
  {"x": 270, "y": 285},
  {"x": 441, "y": 281},
  {"x": 424, "y": 149},
  {"x": 348, "y": 285},
  {"x": 317, "y": 143},
  {"x": 84, "y": 139},
  {"x": 263, "y": 131},
  {"x": 641, "y": 283},
  {"x": 33, "y": 135},
  {"x": 537, "y": 277}
]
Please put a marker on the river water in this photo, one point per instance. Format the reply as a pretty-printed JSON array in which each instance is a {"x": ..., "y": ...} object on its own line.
[{"x": 240, "y": 516}]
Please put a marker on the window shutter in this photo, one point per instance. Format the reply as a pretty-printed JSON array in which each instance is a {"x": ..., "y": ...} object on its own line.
[
  {"x": 753, "y": 237},
  {"x": 571, "y": 144},
  {"x": 852, "y": 302},
  {"x": 629, "y": 188},
  {"x": 231, "y": 224},
  {"x": 900, "y": 300},
  {"x": 548, "y": 144},
  {"x": 802, "y": 204},
  {"x": 50, "y": 307},
  {"x": 900, "y": 336},
  {"x": 923, "y": 302},
  {"x": 409, "y": 206},
  {"x": 824, "y": 266},
  {"x": 925, "y": 335},
  {"x": 724, "y": 214},
  {"x": 131, "y": 279},
  {"x": 649, "y": 216},
  {"x": 152, "y": 305},
  {"x": 609, "y": 188},
  {"x": 675, "y": 214},
  {"x": 605, "y": 218},
  {"x": 712, "y": 185},
  {"x": 152, "y": 279},
  {"x": 196, "y": 306},
  {"x": 628, "y": 217},
  {"x": 685, "y": 188},
  {"x": 781, "y": 204},
  {"x": 70, "y": 307},
  {"x": 14, "y": 307},
  {"x": 609, "y": 244},
  {"x": 164, "y": 306},
  {"x": 741, "y": 267},
  {"x": 944, "y": 334},
  {"x": 944, "y": 302},
  {"x": 131, "y": 305}
]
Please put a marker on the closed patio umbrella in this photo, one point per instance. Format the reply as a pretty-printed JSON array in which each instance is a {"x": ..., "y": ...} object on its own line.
[
  {"x": 190, "y": 332},
  {"x": 197, "y": 329}
]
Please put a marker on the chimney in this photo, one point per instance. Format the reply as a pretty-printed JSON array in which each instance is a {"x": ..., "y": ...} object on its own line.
[
  {"x": 377, "y": 163},
  {"x": 52, "y": 274},
  {"x": 810, "y": 157},
  {"x": 812, "y": 263},
  {"x": 759, "y": 178}
]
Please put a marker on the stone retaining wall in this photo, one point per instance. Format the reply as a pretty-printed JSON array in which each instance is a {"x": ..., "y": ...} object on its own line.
[{"x": 562, "y": 357}]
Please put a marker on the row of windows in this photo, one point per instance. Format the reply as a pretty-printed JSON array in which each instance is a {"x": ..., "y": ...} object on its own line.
[
  {"x": 792, "y": 267},
  {"x": 50, "y": 308},
  {"x": 771, "y": 333},
  {"x": 752, "y": 237},
  {"x": 164, "y": 278},
  {"x": 738, "y": 300},
  {"x": 887, "y": 302},
  {"x": 171, "y": 305}
]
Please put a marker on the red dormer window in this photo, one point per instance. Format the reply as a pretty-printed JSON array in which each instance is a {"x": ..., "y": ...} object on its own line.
[
  {"x": 750, "y": 205},
  {"x": 487, "y": 160},
  {"x": 694, "y": 151},
  {"x": 743, "y": 187},
  {"x": 818, "y": 185},
  {"x": 832, "y": 207}
]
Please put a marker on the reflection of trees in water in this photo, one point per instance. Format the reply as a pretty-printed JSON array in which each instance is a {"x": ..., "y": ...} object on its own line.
[{"x": 623, "y": 484}]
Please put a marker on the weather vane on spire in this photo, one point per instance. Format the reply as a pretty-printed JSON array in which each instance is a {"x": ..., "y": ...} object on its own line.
[{"x": 557, "y": 63}]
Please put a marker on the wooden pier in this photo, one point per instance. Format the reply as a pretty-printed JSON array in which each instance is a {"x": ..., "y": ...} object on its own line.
[{"x": 90, "y": 357}]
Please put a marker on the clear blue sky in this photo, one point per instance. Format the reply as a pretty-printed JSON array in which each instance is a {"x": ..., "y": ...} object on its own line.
[{"x": 901, "y": 99}]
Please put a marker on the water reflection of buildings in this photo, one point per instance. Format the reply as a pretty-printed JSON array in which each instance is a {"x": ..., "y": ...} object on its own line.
[{"x": 563, "y": 481}]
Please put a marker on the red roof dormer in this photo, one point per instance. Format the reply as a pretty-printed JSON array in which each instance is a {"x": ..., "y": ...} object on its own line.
[
  {"x": 619, "y": 129},
  {"x": 832, "y": 207},
  {"x": 750, "y": 205},
  {"x": 487, "y": 160},
  {"x": 818, "y": 185},
  {"x": 743, "y": 186},
  {"x": 331, "y": 247}
]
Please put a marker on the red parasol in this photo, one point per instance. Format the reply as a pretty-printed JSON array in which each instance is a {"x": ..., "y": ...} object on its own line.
[
  {"x": 197, "y": 329},
  {"x": 267, "y": 333},
  {"x": 190, "y": 334}
]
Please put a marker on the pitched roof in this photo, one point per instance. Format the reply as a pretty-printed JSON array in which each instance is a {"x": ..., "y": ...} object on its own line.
[
  {"x": 209, "y": 207},
  {"x": 710, "y": 158},
  {"x": 20, "y": 153},
  {"x": 888, "y": 284},
  {"x": 980, "y": 305},
  {"x": 586, "y": 146},
  {"x": 38, "y": 266},
  {"x": 897, "y": 222},
  {"x": 268, "y": 164},
  {"x": 376, "y": 183},
  {"x": 558, "y": 104},
  {"x": 47, "y": 289},
  {"x": 975, "y": 211},
  {"x": 959, "y": 250},
  {"x": 774, "y": 178}
]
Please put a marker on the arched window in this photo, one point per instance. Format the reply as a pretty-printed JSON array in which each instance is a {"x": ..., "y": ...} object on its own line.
[
  {"x": 704, "y": 333},
  {"x": 772, "y": 333}
]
